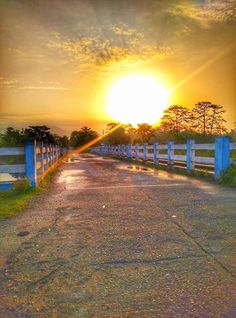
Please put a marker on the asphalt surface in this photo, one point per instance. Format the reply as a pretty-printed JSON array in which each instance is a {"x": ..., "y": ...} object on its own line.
[{"x": 112, "y": 240}]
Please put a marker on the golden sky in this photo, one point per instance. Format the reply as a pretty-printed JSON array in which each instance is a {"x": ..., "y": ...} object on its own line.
[{"x": 60, "y": 57}]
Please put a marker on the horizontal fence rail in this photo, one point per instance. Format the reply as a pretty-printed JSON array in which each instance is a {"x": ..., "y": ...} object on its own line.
[
  {"x": 213, "y": 158},
  {"x": 37, "y": 159}
]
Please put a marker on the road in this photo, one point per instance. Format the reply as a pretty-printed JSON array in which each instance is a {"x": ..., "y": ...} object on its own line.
[{"x": 109, "y": 239}]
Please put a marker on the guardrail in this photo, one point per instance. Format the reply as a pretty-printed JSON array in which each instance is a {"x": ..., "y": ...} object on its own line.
[
  {"x": 190, "y": 156},
  {"x": 37, "y": 159}
]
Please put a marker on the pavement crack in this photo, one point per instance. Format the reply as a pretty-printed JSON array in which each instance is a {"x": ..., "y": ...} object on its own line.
[
  {"x": 44, "y": 280},
  {"x": 124, "y": 262},
  {"x": 205, "y": 251}
]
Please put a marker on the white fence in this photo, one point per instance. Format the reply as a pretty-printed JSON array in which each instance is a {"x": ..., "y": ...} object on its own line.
[
  {"x": 37, "y": 158},
  {"x": 191, "y": 155}
]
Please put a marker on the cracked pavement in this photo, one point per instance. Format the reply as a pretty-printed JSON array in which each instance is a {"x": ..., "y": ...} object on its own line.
[{"x": 112, "y": 240}]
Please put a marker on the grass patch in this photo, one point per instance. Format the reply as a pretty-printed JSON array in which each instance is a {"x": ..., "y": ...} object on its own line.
[
  {"x": 229, "y": 177},
  {"x": 15, "y": 200}
]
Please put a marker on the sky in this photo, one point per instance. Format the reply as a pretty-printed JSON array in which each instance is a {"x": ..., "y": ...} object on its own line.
[{"x": 59, "y": 58}]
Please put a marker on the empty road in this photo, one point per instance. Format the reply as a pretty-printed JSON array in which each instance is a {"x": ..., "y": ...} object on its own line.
[{"x": 109, "y": 239}]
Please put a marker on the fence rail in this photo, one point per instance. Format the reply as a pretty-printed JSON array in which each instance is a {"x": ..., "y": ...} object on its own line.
[
  {"x": 214, "y": 158},
  {"x": 38, "y": 158}
]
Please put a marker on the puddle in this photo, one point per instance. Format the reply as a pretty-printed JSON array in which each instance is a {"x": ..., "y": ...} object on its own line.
[{"x": 137, "y": 168}]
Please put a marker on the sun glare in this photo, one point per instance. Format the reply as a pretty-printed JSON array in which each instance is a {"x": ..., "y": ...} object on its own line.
[{"x": 137, "y": 99}]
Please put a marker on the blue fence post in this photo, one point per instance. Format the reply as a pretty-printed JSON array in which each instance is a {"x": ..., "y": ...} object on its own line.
[
  {"x": 129, "y": 151},
  {"x": 145, "y": 151},
  {"x": 30, "y": 162},
  {"x": 119, "y": 150},
  {"x": 42, "y": 157},
  {"x": 137, "y": 151},
  {"x": 222, "y": 155},
  {"x": 190, "y": 154},
  {"x": 155, "y": 153},
  {"x": 170, "y": 152}
]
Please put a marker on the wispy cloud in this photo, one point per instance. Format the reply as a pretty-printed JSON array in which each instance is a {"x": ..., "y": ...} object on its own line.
[
  {"x": 23, "y": 85},
  {"x": 120, "y": 43},
  {"x": 44, "y": 88}
]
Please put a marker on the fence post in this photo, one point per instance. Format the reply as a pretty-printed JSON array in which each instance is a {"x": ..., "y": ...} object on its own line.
[
  {"x": 129, "y": 151},
  {"x": 42, "y": 157},
  {"x": 155, "y": 153},
  {"x": 145, "y": 151},
  {"x": 47, "y": 156},
  {"x": 170, "y": 153},
  {"x": 222, "y": 155},
  {"x": 118, "y": 150},
  {"x": 30, "y": 162},
  {"x": 137, "y": 151},
  {"x": 190, "y": 154}
]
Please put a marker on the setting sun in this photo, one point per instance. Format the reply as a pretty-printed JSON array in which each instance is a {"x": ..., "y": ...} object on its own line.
[{"x": 137, "y": 99}]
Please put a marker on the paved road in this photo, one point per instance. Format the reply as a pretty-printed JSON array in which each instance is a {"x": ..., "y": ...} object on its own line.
[{"x": 109, "y": 240}]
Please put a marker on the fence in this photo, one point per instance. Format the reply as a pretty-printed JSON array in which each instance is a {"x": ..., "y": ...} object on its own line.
[
  {"x": 35, "y": 158},
  {"x": 190, "y": 156}
]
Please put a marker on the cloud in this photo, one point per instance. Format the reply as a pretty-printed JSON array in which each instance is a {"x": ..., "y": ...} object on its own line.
[
  {"x": 120, "y": 43},
  {"x": 8, "y": 83},
  {"x": 24, "y": 85},
  {"x": 207, "y": 12},
  {"x": 220, "y": 10},
  {"x": 44, "y": 88}
]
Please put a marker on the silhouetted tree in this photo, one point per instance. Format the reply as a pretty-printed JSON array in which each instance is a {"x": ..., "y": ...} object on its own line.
[
  {"x": 208, "y": 118},
  {"x": 61, "y": 141},
  {"x": 40, "y": 133},
  {"x": 144, "y": 132},
  {"x": 12, "y": 137},
  {"x": 176, "y": 118},
  {"x": 81, "y": 137},
  {"x": 118, "y": 135}
]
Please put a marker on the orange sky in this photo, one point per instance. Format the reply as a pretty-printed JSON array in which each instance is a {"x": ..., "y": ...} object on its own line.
[{"x": 59, "y": 58}]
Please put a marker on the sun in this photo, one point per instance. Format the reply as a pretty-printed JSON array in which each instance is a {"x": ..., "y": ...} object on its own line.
[{"x": 137, "y": 99}]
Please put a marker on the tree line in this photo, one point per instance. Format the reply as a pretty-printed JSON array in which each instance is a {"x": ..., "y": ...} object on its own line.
[
  {"x": 16, "y": 137},
  {"x": 178, "y": 123},
  {"x": 203, "y": 122}
]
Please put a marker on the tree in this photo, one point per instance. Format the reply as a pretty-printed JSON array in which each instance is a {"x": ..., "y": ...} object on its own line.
[
  {"x": 208, "y": 118},
  {"x": 118, "y": 135},
  {"x": 144, "y": 132},
  {"x": 233, "y": 130},
  {"x": 61, "y": 141},
  {"x": 12, "y": 137},
  {"x": 40, "y": 133},
  {"x": 83, "y": 136},
  {"x": 176, "y": 118}
]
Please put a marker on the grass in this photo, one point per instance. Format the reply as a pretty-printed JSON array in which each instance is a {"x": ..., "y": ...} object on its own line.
[
  {"x": 229, "y": 177},
  {"x": 16, "y": 200}
]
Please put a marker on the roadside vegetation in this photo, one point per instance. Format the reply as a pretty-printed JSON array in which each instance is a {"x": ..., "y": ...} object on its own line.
[
  {"x": 17, "y": 199},
  {"x": 229, "y": 177}
]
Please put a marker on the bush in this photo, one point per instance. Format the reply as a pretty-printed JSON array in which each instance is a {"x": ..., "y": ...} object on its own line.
[
  {"x": 21, "y": 186},
  {"x": 229, "y": 177}
]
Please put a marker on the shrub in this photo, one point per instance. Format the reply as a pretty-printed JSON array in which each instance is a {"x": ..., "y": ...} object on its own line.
[{"x": 229, "y": 177}]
